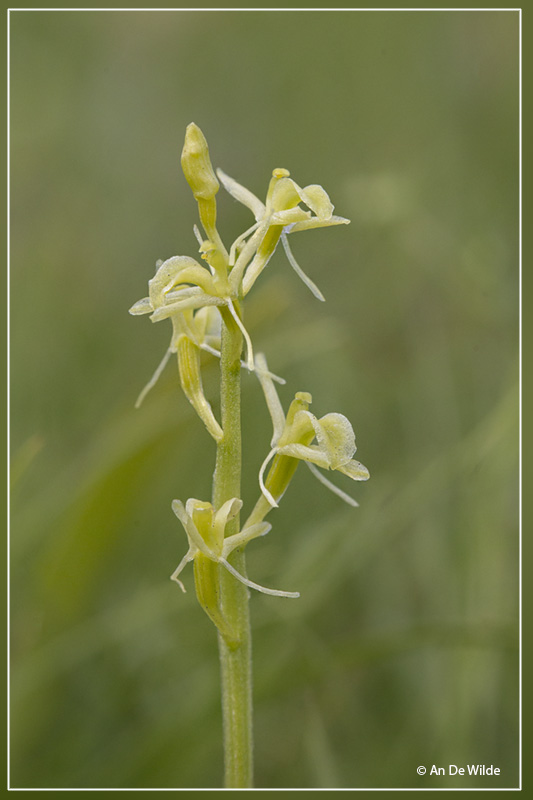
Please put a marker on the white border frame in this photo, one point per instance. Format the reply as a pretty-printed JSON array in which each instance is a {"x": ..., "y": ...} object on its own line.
[{"x": 520, "y": 312}]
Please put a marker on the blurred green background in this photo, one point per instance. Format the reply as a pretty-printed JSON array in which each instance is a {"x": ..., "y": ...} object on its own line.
[{"x": 402, "y": 650}]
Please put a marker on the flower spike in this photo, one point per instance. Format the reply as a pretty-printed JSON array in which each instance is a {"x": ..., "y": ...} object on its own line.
[{"x": 203, "y": 301}]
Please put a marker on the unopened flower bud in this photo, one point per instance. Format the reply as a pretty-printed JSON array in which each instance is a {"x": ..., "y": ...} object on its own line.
[{"x": 197, "y": 166}]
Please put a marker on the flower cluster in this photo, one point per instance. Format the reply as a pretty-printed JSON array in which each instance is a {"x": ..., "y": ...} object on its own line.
[
  {"x": 193, "y": 295},
  {"x": 199, "y": 299}
]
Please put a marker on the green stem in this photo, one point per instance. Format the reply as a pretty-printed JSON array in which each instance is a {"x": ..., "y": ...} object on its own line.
[{"x": 235, "y": 655}]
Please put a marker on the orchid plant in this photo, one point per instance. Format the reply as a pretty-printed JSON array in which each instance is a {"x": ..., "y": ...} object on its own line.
[{"x": 204, "y": 303}]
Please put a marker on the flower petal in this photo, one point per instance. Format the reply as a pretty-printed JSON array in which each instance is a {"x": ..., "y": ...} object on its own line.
[
  {"x": 143, "y": 306},
  {"x": 285, "y": 194},
  {"x": 243, "y": 195},
  {"x": 316, "y": 222},
  {"x": 227, "y": 511},
  {"x": 317, "y": 199},
  {"x": 167, "y": 276},
  {"x": 184, "y": 516},
  {"x": 290, "y": 216},
  {"x": 335, "y": 437},
  {"x": 245, "y": 536},
  {"x": 305, "y": 452},
  {"x": 355, "y": 470},
  {"x": 182, "y": 293},
  {"x": 197, "y": 301},
  {"x": 176, "y": 271}
]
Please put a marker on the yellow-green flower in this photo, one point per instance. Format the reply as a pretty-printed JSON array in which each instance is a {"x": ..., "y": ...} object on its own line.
[
  {"x": 181, "y": 284},
  {"x": 292, "y": 441},
  {"x": 172, "y": 296},
  {"x": 185, "y": 292},
  {"x": 205, "y": 532},
  {"x": 280, "y": 215}
]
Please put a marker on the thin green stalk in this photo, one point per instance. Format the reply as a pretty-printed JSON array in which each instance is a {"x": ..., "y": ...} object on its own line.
[{"x": 235, "y": 657}]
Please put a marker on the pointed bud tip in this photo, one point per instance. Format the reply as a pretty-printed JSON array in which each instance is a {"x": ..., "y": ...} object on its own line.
[
  {"x": 194, "y": 138},
  {"x": 196, "y": 164}
]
